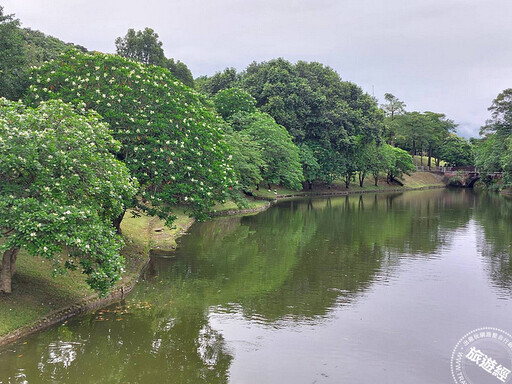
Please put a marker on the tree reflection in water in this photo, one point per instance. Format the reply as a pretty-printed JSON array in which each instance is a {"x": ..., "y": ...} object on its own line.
[{"x": 293, "y": 264}]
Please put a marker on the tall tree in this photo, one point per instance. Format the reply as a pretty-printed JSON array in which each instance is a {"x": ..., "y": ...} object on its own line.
[
  {"x": 60, "y": 187},
  {"x": 142, "y": 46},
  {"x": 171, "y": 139},
  {"x": 393, "y": 106},
  {"x": 438, "y": 129},
  {"x": 145, "y": 47}
]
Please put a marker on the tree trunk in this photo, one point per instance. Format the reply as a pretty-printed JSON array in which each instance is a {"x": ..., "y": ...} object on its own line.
[
  {"x": 8, "y": 268},
  {"x": 429, "y": 157},
  {"x": 116, "y": 223},
  {"x": 376, "y": 179},
  {"x": 437, "y": 162},
  {"x": 362, "y": 175},
  {"x": 310, "y": 184},
  {"x": 347, "y": 181},
  {"x": 258, "y": 187}
]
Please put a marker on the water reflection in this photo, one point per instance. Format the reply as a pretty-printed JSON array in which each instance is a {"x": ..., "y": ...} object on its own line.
[
  {"x": 494, "y": 214},
  {"x": 318, "y": 264}
]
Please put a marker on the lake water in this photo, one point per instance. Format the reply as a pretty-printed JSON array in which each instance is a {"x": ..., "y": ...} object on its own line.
[{"x": 360, "y": 289}]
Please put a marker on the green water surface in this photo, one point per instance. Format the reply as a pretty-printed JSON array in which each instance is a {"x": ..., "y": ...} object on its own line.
[{"x": 376, "y": 288}]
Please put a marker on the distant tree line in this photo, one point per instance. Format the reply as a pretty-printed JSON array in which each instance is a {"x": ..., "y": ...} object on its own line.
[{"x": 335, "y": 128}]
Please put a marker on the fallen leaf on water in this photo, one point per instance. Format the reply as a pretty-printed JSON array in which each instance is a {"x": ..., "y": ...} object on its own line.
[{"x": 20, "y": 355}]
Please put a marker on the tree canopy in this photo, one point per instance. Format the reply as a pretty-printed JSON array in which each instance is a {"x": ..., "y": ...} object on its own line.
[
  {"x": 421, "y": 132},
  {"x": 393, "y": 106},
  {"x": 281, "y": 159},
  {"x": 331, "y": 117},
  {"x": 171, "y": 139},
  {"x": 144, "y": 46},
  {"x": 492, "y": 153},
  {"x": 12, "y": 57},
  {"x": 456, "y": 151},
  {"x": 20, "y": 49},
  {"x": 60, "y": 188},
  {"x": 230, "y": 101}
]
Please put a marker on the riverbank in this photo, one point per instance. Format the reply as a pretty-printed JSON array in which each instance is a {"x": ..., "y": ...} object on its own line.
[
  {"x": 39, "y": 301},
  {"x": 416, "y": 181}
]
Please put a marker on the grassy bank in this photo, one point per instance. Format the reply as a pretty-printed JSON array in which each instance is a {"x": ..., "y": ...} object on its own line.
[{"x": 37, "y": 295}]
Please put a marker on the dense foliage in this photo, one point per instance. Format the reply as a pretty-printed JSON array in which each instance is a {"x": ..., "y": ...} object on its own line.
[
  {"x": 456, "y": 151},
  {"x": 60, "y": 188},
  {"x": 274, "y": 123},
  {"x": 230, "y": 101},
  {"x": 145, "y": 47},
  {"x": 12, "y": 57},
  {"x": 330, "y": 119},
  {"x": 281, "y": 159},
  {"x": 19, "y": 50},
  {"x": 40, "y": 48},
  {"x": 493, "y": 152},
  {"x": 420, "y": 133},
  {"x": 262, "y": 149},
  {"x": 170, "y": 139}
]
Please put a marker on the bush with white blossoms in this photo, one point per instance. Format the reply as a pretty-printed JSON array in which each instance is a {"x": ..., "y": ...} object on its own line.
[
  {"x": 60, "y": 189},
  {"x": 171, "y": 138}
]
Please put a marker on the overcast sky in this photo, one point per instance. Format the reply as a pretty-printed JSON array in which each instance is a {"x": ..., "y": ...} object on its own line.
[{"x": 448, "y": 56}]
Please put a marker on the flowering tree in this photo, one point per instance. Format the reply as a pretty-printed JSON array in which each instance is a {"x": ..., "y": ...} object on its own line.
[
  {"x": 171, "y": 139},
  {"x": 60, "y": 187}
]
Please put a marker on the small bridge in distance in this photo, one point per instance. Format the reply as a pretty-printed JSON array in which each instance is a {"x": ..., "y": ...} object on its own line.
[{"x": 468, "y": 174}]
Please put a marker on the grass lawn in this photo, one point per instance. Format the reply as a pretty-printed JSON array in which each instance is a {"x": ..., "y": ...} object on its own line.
[{"x": 422, "y": 180}]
